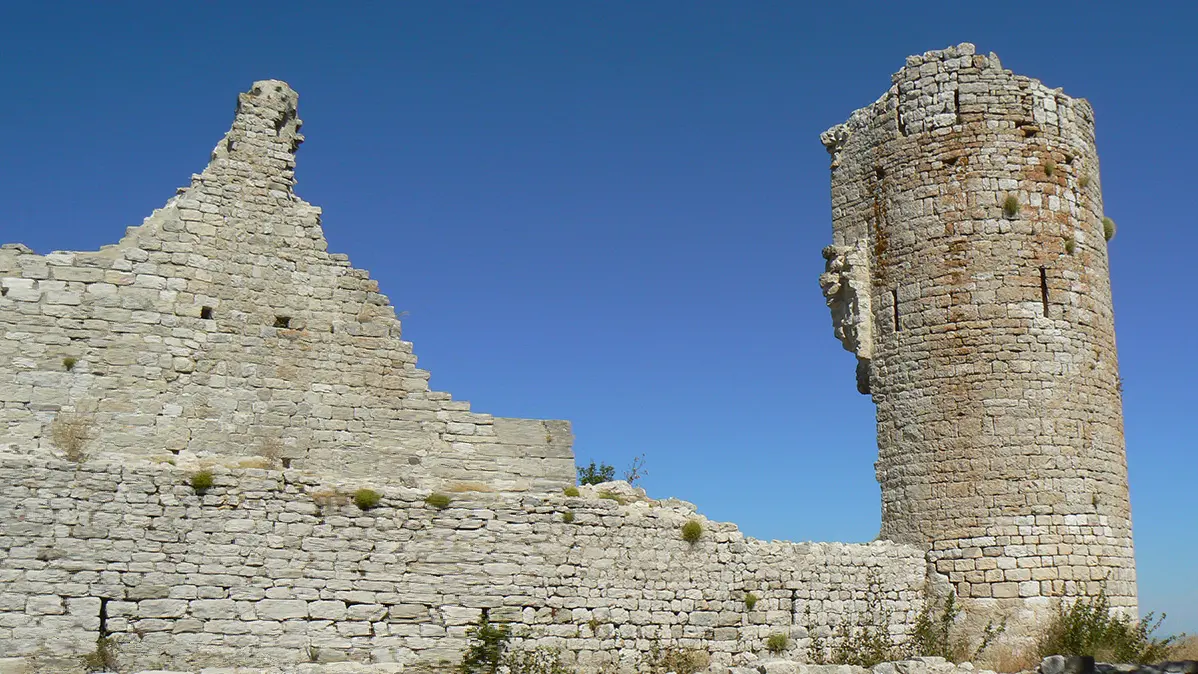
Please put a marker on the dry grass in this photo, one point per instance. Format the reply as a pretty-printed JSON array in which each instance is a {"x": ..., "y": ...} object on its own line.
[
  {"x": 271, "y": 449},
  {"x": 1008, "y": 659},
  {"x": 71, "y": 432},
  {"x": 329, "y": 498},
  {"x": 1186, "y": 649},
  {"x": 463, "y": 487}
]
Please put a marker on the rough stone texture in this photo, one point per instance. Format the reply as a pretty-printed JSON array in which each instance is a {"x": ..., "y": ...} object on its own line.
[
  {"x": 985, "y": 337},
  {"x": 267, "y": 564},
  {"x": 222, "y": 326}
]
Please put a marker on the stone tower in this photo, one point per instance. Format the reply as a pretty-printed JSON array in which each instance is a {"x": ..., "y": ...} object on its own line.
[{"x": 969, "y": 275}]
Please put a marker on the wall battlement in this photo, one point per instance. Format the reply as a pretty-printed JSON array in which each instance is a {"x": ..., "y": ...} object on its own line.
[
  {"x": 969, "y": 275},
  {"x": 222, "y": 326}
]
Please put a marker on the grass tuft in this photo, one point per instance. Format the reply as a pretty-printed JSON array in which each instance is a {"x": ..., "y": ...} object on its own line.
[
  {"x": 1070, "y": 245},
  {"x": 1010, "y": 206},
  {"x": 1050, "y": 168},
  {"x": 568, "y": 516},
  {"x": 366, "y": 499},
  {"x": 201, "y": 482},
  {"x": 571, "y": 491},
  {"x": 1108, "y": 229},
  {"x": 750, "y": 600},
  {"x": 776, "y": 643},
  {"x": 692, "y": 531},
  {"x": 68, "y": 363},
  {"x": 438, "y": 500}
]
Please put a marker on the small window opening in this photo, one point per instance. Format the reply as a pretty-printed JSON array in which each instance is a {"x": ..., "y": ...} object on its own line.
[
  {"x": 1044, "y": 290},
  {"x": 879, "y": 172},
  {"x": 3, "y": 292},
  {"x": 282, "y": 321},
  {"x": 286, "y": 463},
  {"x": 206, "y": 313},
  {"x": 898, "y": 327}
]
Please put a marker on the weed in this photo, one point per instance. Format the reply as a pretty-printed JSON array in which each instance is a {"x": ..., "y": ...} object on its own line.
[
  {"x": 201, "y": 482},
  {"x": 750, "y": 600},
  {"x": 777, "y": 643},
  {"x": 1088, "y": 627},
  {"x": 593, "y": 624},
  {"x": 328, "y": 498},
  {"x": 1108, "y": 229},
  {"x": 535, "y": 661},
  {"x": 568, "y": 516},
  {"x": 679, "y": 660},
  {"x": 438, "y": 500},
  {"x": 593, "y": 474},
  {"x": 366, "y": 499},
  {"x": 692, "y": 531},
  {"x": 271, "y": 449},
  {"x": 68, "y": 363},
  {"x": 612, "y": 496},
  {"x": 1070, "y": 245},
  {"x": 932, "y": 632},
  {"x": 636, "y": 471},
  {"x": 1084, "y": 181},
  {"x": 71, "y": 432},
  {"x": 1050, "y": 167},
  {"x": 1010, "y": 206},
  {"x": 465, "y": 487},
  {"x": 486, "y": 646},
  {"x": 571, "y": 491},
  {"x": 103, "y": 659}
]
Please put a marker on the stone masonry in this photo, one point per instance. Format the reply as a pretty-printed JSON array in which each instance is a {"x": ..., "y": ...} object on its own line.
[
  {"x": 222, "y": 326},
  {"x": 969, "y": 275},
  {"x": 221, "y": 336}
]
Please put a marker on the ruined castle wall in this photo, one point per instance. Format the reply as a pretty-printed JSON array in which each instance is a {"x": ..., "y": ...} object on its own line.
[
  {"x": 268, "y": 564},
  {"x": 990, "y": 334},
  {"x": 222, "y": 326}
]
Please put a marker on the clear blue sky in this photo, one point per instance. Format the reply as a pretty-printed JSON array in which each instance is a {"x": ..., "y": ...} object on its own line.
[{"x": 612, "y": 212}]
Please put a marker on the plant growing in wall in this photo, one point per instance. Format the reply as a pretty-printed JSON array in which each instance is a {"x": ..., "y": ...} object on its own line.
[
  {"x": 1070, "y": 245},
  {"x": 1084, "y": 181},
  {"x": 1010, "y": 206},
  {"x": 1050, "y": 168},
  {"x": 71, "y": 432},
  {"x": 68, "y": 363},
  {"x": 665, "y": 659},
  {"x": 486, "y": 645},
  {"x": 692, "y": 531},
  {"x": 750, "y": 600},
  {"x": 1108, "y": 229},
  {"x": 438, "y": 500},
  {"x": 777, "y": 643},
  {"x": 366, "y": 499},
  {"x": 568, "y": 516},
  {"x": 201, "y": 482},
  {"x": 102, "y": 659},
  {"x": 636, "y": 471},
  {"x": 596, "y": 474},
  {"x": 571, "y": 491},
  {"x": 1088, "y": 627}
]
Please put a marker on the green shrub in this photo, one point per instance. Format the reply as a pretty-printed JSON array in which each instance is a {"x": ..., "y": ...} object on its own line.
[
  {"x": 1084, "y": 181},
  {"x": 1087, "y": 627},
  {"x": 692, "y": 531},
  {"x": 612, "y": 496},
  {"x": 593, "y": 474},
  {"x": 1108, "y": 229},
  {"x": 485, "y": 648},
  {"x": 438, "y": 500},
  {"x": 571, "y": 491},
  {"x": 1070, "y": 245},
  {"x": 568, "y": 516},
  {"x": 535, "y": 661},
  {"x": 931, "y": 635},
  {"x": 103, "y": 659},
  {"x": 201, "y": 482},
  {"x": 750, "y": 600},
  {"x": 1010, "y": 206},
  {"x": 68, "y": 363},
  {"x": 1050, "y": 167},
  {"x": 366, "y": 499},
  {"x": 777, "y": 643}
]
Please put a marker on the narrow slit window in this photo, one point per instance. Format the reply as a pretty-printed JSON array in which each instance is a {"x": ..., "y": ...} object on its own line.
[
  {"x": 282, "y": 321},
  {"x": 1044, "y": 290},
  {"x": 898, "y": 326},
  {"x": 206, "y": 313}
]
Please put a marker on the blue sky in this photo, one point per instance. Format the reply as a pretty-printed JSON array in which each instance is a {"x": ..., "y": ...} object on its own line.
[{"x": 613, "y": 212}]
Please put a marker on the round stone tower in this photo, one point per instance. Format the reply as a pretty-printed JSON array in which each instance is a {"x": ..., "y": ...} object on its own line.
[{"x": 969, "y": 275}]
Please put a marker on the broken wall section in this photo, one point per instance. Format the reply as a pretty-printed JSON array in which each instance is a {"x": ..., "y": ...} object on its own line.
[{"x": 222, "y": 326}]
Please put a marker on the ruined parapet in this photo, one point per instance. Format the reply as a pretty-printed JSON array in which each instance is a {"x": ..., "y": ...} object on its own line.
[
  {"x": 222, "y": 327},
  {"x": 969, "y": 274}
]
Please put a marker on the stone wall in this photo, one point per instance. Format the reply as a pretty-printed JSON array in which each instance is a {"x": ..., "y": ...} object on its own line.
[
  {"x": 985, "y": 333},
  {"x": 273, "y": 566},
  {"x": 223, "y": 326}
]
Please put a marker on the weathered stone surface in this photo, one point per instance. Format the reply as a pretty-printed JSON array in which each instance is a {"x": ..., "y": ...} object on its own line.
[{"x": 985, "y": 333}]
